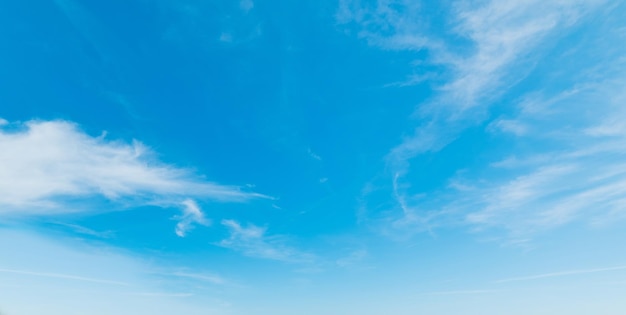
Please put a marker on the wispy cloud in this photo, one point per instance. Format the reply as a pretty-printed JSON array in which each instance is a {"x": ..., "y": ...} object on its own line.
[
  {"x": 313, "y": 155},
  {"x": 44, "y": 269},
  {"x": 63, "y": 276},
  {"x": 503, "y": 37},
  {"x": 160, "y": 294},
  {"x": 191, "y": 215},
  {"x": 44, "y": 162},
  {"x": 569, "y": 175},
  {"x": 86, "y": 231},
  {"x": 462, "y": 292},
  {"x": 494, "y": 46},
  {"x": 50, "y": 167},
  {"x": 561, "y": 274},
  {"x": 387, "y": 24},
  {"x": 253, "y": 241},
  {"x": 203, "y": 277},
  {"x": 511, "y": 126},
  {"x": 550, "y": 196}
]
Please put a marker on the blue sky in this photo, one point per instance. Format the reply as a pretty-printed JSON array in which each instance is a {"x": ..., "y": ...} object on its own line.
[{"x": 312, "y": 157}]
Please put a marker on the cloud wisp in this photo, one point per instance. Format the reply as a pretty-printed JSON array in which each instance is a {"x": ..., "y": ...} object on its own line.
[
  {"x": 48, "y": 165},
  {"x": 493, "y": 46},
  {"x": 253, "y": 241},
  {"x": 63, "y": 276},
  {"x": 85, "y": 279},
  {"x": 191, "y": 215},
  {"x": 505, "y": 39},
  {"x": 561, "y": 274},
  {"x": 572, "y": 174},
  {"x": 209, "y": 278}
]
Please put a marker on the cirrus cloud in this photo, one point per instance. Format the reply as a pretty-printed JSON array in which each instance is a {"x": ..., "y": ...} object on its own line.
[{"x": 47, "y": 166}]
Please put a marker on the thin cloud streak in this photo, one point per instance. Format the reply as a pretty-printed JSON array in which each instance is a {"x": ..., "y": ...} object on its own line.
[
  {"x": 561, "y": 274},
  {"x": 462, "y": 292},
  {"x": 63, "y": 276},
  {"x": 198, "y": 276},
  {"x": 160, "y": 294}
]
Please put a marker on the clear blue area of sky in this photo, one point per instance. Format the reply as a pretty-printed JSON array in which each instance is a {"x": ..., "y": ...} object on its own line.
[{"x": 312, "y": 157}]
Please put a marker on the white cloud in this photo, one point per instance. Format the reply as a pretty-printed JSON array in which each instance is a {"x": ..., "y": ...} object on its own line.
[
  {"x": 191, "y": 215},
  {"x": 503, "y": 35},
  {"x": 569, "y": 175},
  {"x": 44, "y": 164},
  {"x": 493, "y": 46},
  {"x": 52, "y": 167},
  {"x": 575, "y": 170},
  {"x": 571, "y": 186},
  {"x": 3, "y": 122},
  {"x": 252, "y": 241}
]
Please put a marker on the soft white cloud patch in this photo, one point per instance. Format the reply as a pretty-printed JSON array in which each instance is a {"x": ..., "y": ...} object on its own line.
[
  {"x": 253, "y": 241},
  {"x": 43, "y": 163},
  {"x": 191, "y": 215}
]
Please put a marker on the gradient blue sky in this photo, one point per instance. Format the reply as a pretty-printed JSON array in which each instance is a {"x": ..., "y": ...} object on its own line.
[{"x": 312, "y": 157}]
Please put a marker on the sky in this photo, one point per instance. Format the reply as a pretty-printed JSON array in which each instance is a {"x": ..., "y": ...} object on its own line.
[{"x": 312, "y": 157}]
